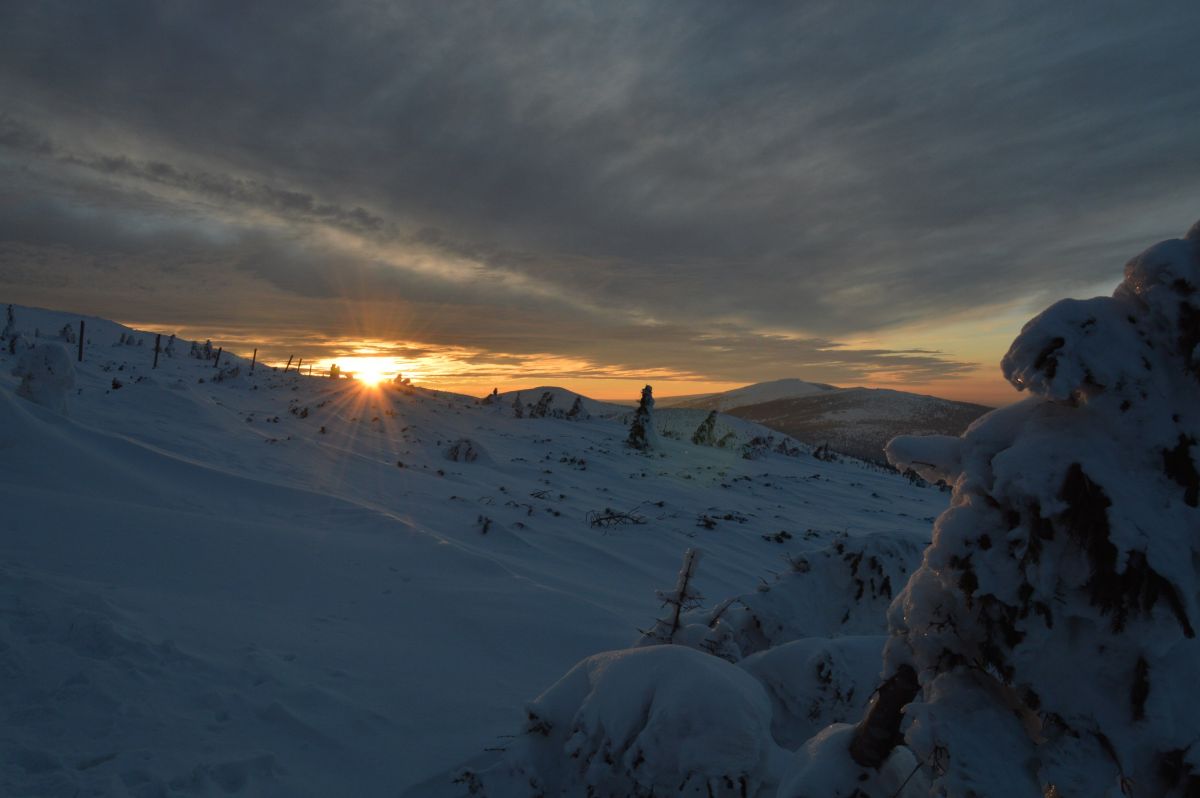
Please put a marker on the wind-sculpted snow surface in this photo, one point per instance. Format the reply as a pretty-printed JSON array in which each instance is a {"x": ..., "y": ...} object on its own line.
[
  {"x": 1052, "y": 622},
  {"x": 219, "y": 581}
]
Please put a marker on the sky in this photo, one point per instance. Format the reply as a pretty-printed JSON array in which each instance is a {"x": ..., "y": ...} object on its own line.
[{"x": 595, "y": 195}]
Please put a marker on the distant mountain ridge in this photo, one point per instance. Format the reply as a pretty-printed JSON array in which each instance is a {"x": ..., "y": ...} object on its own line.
[
  {"x": 748, "y": 395},
  {"x": 860, "y": 421},
  {"x": 853, "y": 421}
]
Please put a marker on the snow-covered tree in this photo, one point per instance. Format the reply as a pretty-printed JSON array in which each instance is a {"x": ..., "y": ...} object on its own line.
[
  {"x": 47, "y": 375},
  {"x": 542, "y": 408},
  {"x": 706, "y": 433},
  {"x": 641, "y": 430},
  {"x": 1047, "y": 643},
  {"x": 577, "y": 412},
  {"x": 676, "y": 601},
  {"x": 518, "y": 408},
  {"x": 10, "y": 325}
]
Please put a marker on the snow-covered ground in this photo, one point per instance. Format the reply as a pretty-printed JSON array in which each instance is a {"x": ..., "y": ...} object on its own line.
[{"x": 214, "y": 582}]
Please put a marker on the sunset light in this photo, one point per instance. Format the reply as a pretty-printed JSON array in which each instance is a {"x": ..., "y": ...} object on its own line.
[
  {"x": 368, "y": 370},
  {"x": 423, "y": 399}
]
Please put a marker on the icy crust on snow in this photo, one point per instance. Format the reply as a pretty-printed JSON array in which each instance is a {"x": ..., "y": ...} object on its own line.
[
  {"x": 1052, "y": 622},
  {"x": 663, "y": 720}
]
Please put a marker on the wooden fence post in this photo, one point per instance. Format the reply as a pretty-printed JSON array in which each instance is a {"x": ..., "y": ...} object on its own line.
[
  {"x": 289, "y": 364},
  {"x": 157, "y": 349},
  {"x": 300, "y": 365},
  {"x": 81, "y": 340},
  {"x": 217, "y": 362},
  {"x": 253, "y": 360}
]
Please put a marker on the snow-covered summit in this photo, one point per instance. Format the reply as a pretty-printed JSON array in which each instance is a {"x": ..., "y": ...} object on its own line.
[{"x": 749, "y": 395}]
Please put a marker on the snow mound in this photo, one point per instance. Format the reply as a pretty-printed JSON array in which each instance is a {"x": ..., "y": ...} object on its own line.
[
  {"x": 815, "y": 682},
  {"x": 47, "y": 375},
  {"x": 933, "y": 457},
  {"x": 664, "y": 720},
  {"x": 823, "y": 769}
]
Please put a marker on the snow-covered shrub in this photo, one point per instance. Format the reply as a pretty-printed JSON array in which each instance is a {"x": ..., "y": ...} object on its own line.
[
  {"x": 47, "y": 375},
  {"x": 842, "y": 589},
  {"x": 706, "y": 433},
  {"x": 662, "y": 720},
  {"x": 204, "y": 352},
  {"x": 67, "y": 333},
  {"x": 1051, "y": 625},
  {"x": 464, "y": 450},
  {"x": 227, "y": 373},
  {"x": 758, "y": 447},
  {"x": 641, "y": 429}
]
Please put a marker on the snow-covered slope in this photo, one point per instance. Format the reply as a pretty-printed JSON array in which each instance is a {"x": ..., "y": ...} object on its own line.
[
  {"x": 749, "y": 395},
  {"x": 214, "y": 582},
  {"x": 860, "y": 421}
]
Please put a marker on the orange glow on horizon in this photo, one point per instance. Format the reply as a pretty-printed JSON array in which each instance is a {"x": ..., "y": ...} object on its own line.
[{"x": 475, "y": 372}]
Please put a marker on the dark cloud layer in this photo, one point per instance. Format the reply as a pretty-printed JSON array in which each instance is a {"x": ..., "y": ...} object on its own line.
[{"x": 771, "y": 173}]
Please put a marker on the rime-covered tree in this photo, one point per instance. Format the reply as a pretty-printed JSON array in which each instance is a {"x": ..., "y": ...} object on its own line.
[
  {"x": 641, "y": 430},
  {"x": 706, "y": 433},
  {"x": 10, "y": 325},
  {"x": 1047, "y": 644},
  {"x": 577, "y": 412},
  {"x": 676, "y": 601},
  {"x": 518, "y": 408},
  {"x": 542, "y": 408},
  {"x": 47, "y": 375}
]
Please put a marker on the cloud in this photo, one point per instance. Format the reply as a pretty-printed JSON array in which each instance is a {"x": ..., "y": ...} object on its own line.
[{"x": 817, "y": 169}]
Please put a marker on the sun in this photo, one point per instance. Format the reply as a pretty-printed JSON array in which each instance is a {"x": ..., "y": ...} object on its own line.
[
  {"x": 367, "y": 371},
  {"x": 370, "y": 374}
]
